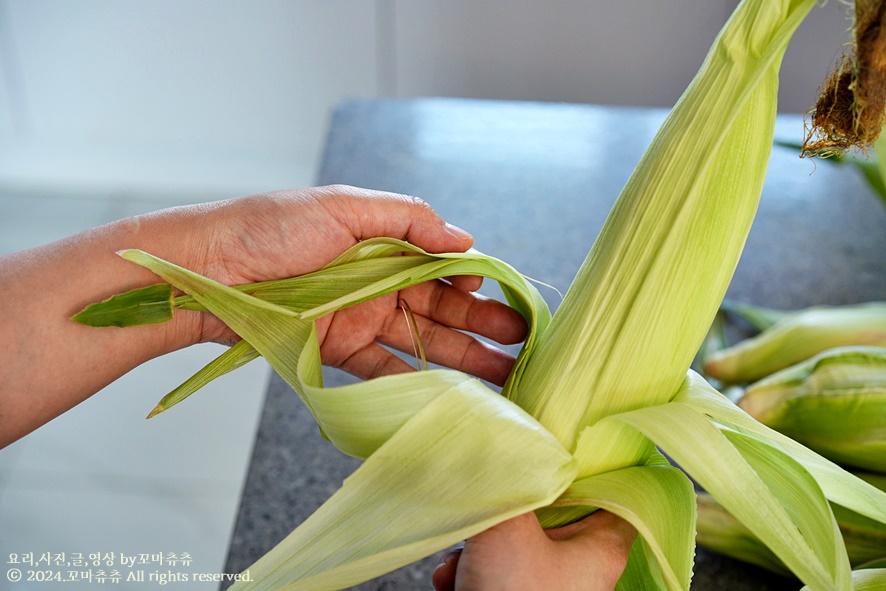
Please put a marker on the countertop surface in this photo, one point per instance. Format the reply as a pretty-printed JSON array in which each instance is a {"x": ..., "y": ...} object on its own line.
[{"x": 533, "y": 183}]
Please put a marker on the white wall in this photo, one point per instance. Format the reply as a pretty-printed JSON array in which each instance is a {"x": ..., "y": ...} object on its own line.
[
  {"x": 230, "y": 96},
  {"x": 166, "y": 94},
  {"x": 630, "y": 52}
]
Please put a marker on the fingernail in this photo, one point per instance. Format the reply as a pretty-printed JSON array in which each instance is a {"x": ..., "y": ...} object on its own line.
[
  {"x": 458, "y": 232},
  {"x": 451, "y": 554}
]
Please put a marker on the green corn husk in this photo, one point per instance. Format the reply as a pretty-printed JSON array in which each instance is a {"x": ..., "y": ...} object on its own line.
[
  {"x": 875, "y": 174},
  {"x": 148, "y": 305},
  {"x": 595, "y": 391},
  {"x": 758, "y": 317},
  {"x": 357, "y": 269},
  {"x": 873, "y": 579},
  {"x": 797, "y": 337},
  {"x": 717, "y": 530},
  {"x": 834, "y": 403}
]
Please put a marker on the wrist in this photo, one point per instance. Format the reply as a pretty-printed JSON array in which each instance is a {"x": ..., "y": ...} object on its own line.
[
  {"x": 60, "y": 363},
  {"x": 175, "y": 235}
]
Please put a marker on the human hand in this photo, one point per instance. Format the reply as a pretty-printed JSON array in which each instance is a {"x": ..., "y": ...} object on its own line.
[
  {"x": 284, "y": 234},
  {"x": 263, "y": 237},
  {"x": 518, "y": 555}
]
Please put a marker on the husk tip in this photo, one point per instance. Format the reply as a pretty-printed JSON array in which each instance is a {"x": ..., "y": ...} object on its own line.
[{"x": 157, "y": 410}]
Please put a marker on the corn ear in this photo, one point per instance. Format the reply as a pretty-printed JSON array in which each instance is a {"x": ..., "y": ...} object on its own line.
[
  {"x": 865, "y": 539},
  {"x": 797, "y": 337},
  {"x": 834, "y": 403},
  {"x": 646, "y": 294}
]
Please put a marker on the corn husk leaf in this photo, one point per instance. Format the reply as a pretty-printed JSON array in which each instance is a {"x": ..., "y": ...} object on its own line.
[
  {"x": 770, "y": 493},
  {"x": 146, "y": 305},
  {"x": 371, "y": 262},
  {"x": 718, "y": 530},
  {"x": 758, "y": 317},
  {"x": 369, "y": 269},
  {"x": 834, "y": 403},
  {"x": 658, "y": 500},
  {"x": 839, "y": 485},
  {"x": 798, "y": 337},
  {"x": 236, "y": 356},
  {"x": 359, "y": 417},
  {"x": 865, "y": 580},
  {"x": 420, "y": 492},
  {"x": 650, "y": 287},
  {"x": 421, "y": 466},
  {"x": 641, "y": 572}
]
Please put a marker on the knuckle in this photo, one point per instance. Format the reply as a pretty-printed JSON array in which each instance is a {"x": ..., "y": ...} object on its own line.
[{"x": 421, "y": 207}]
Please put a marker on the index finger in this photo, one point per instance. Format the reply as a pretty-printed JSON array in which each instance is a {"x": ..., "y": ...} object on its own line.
[{"x": 372, "y": 214}]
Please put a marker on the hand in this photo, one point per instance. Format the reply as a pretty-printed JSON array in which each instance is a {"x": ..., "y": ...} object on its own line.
[
  {"x": 285, "y": 234},
  {"x": 518, "y": 555},
  {"x": 256, "y": 238}
]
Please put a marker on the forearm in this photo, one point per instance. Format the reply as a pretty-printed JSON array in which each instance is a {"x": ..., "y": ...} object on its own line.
[{"x": 49, "y": 363}]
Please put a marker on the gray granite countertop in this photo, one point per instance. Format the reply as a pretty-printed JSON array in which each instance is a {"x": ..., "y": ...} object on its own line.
[{"x": 533, "y": 183}]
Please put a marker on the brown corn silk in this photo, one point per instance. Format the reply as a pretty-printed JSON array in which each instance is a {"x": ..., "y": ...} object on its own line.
[{"x": 850, "y": 110}]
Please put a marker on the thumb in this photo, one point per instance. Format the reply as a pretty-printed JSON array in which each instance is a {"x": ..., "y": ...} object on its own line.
[{"x": 603, "y": 535}]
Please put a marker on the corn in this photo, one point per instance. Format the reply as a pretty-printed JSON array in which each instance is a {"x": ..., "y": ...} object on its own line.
[
  {"x": 834, "y": 403},
  {"x": 799, "y": 336}
]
